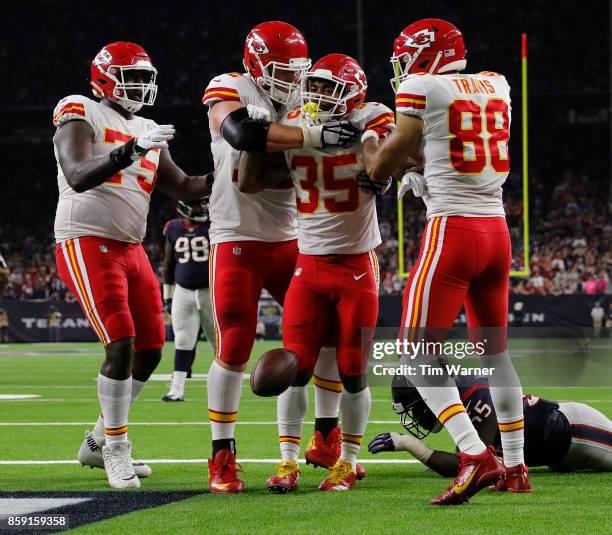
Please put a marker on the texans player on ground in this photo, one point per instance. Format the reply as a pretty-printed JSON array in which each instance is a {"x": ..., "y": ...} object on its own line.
[
  {"x": 336, "y": 274},
  {"x": 108, "y": 162},
  {"x": 461, "y": 122},
  {"x": 186, "y": 293},
  {"x": 253, "y": 236},
  {"x": 563, "y": 436}
]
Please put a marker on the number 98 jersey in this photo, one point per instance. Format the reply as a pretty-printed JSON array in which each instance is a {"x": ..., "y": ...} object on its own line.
[
  {"x": 191, "y": 248},
  {"x": 465, "y": 139}
]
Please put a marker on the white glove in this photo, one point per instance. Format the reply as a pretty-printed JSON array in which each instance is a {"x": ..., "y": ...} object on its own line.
[
  {"x": 414, "y": 181},
  {"x": 332, "y": 133},
  {"x": 258, "y": 113},
  {"x": 156, "y": 138}
]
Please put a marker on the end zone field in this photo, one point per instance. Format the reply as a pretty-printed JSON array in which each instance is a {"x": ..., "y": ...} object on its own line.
[{"x": 48, "y": 399}]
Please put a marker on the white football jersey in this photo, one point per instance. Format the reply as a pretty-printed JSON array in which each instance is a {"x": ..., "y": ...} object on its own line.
[
  {"x": 235, "y": 216},
  {"x": 118, "y": 208},
  {"x": 335, "y": 216},
  {"x": 465, "y": 140}
]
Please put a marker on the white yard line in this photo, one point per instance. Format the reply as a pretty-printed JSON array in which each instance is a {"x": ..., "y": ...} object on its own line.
[
  {"x": 202, "y": 461},
  {"x": 58, "y": 424}
]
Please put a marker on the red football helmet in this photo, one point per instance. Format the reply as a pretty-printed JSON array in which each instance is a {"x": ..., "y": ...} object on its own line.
[
  {"x": 346, "y": 88},
  {"x": 108, "y": 76},
  {"x": 276, "y": 57},
  {"x": 429, "y": 45}
]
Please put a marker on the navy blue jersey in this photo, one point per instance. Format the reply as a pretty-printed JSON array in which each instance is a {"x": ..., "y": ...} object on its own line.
[
  {"x": 547, "y": 431},
  {"x": 191, "y": 251}
]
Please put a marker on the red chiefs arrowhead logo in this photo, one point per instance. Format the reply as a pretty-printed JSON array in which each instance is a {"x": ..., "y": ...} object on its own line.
[
  {"x": 257, "y": 45},
  {"x": 421, "y": 39}
]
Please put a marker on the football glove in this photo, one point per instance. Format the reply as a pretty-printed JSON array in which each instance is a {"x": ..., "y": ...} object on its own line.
[
  {"x": 372, "y": 186},
  {"x": 258, "y": 113},
  {"x": 333, "y": 133},
  {"x": 414, "y": 181},
  {"x": 156, "y": 138}
]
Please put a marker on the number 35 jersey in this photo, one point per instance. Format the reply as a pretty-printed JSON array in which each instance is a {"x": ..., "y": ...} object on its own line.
[
  {"x": 465, "y": 140},
  {"x": 117, "y": 208},
  {"x": 191, "y": 251},
  {"x": 334, "y": 215}
]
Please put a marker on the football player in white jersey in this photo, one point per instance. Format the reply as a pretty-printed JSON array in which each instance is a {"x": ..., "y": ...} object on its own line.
[
  {"x": 461, "y": 123},
  {"x": 108, "y": 162},
  {"x": 335, "y": 282},
  {"x": 253, "y": 237}
]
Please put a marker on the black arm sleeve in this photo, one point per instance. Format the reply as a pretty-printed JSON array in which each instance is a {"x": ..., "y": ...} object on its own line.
[{"x": 244, "y": 133}]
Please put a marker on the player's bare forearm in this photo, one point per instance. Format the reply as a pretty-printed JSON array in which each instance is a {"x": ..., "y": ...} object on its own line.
[
  {"x": 444, "y": 463},
  {"x": 282, "y": 137},
  {"x": 175, "y": 183},
  {"x": 258, "y": 171},
  {"x": 74, "y": 143},
  {"x": 393, "y": 154}
]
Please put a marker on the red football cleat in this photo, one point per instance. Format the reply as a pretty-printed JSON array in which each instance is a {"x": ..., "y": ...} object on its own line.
[
  {"x": 515, "y": 480},
  {"x": 475, "y": 473},
  {"x": 325, "y": 452},
  {"x": 222, "y": 478},
  {"x": 341, "y": 477},
  {"x": 286, "y": 478}
]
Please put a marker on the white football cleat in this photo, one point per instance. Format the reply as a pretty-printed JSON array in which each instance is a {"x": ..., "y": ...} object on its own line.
[
  {"x": 118, "y": 464},
  {"x": 90, "y": 454},
  {"x": 173, "y": 396}
]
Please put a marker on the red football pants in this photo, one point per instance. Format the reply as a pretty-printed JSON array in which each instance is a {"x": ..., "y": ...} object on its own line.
[
  {"x": 339, "y": 290},
  {"x": 238, "y": 272},
  {"x": 116, "y": 287},
  {"x": 462, "y": 261}
]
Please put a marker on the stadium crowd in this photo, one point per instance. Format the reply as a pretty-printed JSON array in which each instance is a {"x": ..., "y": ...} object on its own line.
[{"x": 570, "y": 246}]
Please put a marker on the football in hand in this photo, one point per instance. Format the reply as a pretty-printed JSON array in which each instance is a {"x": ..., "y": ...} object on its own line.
[{"x": 274, "y": 372}]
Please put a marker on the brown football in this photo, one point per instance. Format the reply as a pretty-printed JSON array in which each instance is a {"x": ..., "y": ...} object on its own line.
[{"x": 274, "y": 372}]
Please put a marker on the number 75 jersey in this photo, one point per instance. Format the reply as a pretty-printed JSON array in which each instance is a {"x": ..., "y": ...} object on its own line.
[
  {"x": 334, "y": 215},
  {"x": 465, "y": 139}
]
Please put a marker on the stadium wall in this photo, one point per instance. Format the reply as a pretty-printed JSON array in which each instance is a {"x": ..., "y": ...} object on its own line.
[{"x": 29, "y": 320}]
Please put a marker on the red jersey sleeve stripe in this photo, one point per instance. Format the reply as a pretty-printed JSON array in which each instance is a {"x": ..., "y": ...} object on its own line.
[
  {"x": 79, "y": 109},
  {"x": 380, "y": 120}
]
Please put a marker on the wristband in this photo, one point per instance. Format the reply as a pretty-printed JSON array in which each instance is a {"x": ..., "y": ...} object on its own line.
[
  {"x": 126, "y": 154},
  {"x": 369, "y": 134},
  {"x": 168, "y": 291},
  {"x": 312, "y": 136}
]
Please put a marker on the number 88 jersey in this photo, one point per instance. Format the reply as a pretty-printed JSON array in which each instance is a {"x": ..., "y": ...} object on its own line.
[
  {"x": 334, "y": 215},
  {"x": 190, "y": 245},
  {"x": 465, "y": 139}
]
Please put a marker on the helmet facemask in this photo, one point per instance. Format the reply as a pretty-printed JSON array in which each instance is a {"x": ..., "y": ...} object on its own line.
[
  {"x": 196, "y": 210},
  {"x": 282, "y": 81},
  {"x": 331, "y": 101},
  {"x": 123, "y": 92},
  {"x": 417, "y": 418}
]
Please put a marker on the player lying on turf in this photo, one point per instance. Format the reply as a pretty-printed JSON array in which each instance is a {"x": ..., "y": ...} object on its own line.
[
  {"x": 186, "y": 293},
  {"x": 109, "y": 160},
  {"x": 252, "y": 233},
  {"x": 461, "y": 124},
  {"x": 563, "y": 436},
  {"x": 335, "y": 282}
]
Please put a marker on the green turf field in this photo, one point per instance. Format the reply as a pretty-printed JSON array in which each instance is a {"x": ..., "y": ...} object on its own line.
[{"x": 394, "y": 498}]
